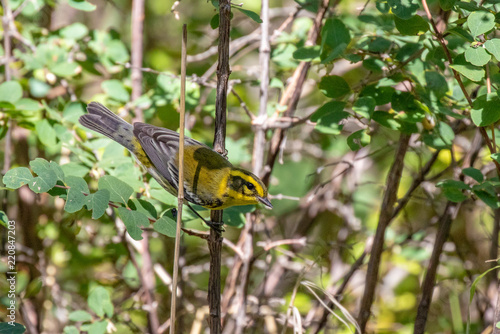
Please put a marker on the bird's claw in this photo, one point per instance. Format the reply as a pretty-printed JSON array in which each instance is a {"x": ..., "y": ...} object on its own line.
[{"x": 218, "y": 227}]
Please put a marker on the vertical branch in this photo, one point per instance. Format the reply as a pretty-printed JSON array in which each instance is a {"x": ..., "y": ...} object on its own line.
[
  {"x": 180, "y": 195},
  {"x": 136, "y": 54},
  {"x": 386, "y": 213},
  {"x": 136, "y": 77},
  {"x": 291, "y": 96},
  {"x": 149, "y": 285},
  {"x": 215, "y": 238},
  {"x": 264, "y": 58},
  {"x": 430, "y": 277}
]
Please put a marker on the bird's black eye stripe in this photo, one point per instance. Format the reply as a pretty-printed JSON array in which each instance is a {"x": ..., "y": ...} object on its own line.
[{"x": 250, "y": 186}]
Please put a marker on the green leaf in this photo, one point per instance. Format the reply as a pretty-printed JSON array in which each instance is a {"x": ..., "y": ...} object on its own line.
[
  {"x": 157, "y": 192},
  {"x": 404, "y": 9},
  {"x": 329, "y": 116},
  {"x": 382, "y": 95},
  {"x": 254, "y": 16},
  {"x": 454, "y": 195},
  {"x": 166, "y": 226},
  {"x": 64, "y": 69},
  {"x": 473, "y": 173},
  {"x": 486, "y": 110},
  {"x": 71, "y": 330},
  {"x": 386, "y": 119},
  {"x": 462, "y": 33},
  {"x": 82, "y": 5},
  {"x": 7, "y": 328},
  {"x": 364, "y": 106},
  {"x": 98, "y": 202},
  {"x": 441, "y": 137},
  {"x": 99, "y": 301},
  {"x": 133, "y": 221},
  {"x": 72, "y": 111},
  {"x": 415, "y": 25},
  {"x": 143, "y": 206},
  {"x": 117, "y": 51},
  {"x": 469, "y": 6},
  {"x": 17, "y": 177},
  {"x": 307, "y": 53},
  {"x": 26, "y": 104},
  {"x": 403, "y": 101},
  {"x": 119, "y": 190},
  {"x": 436, "y": 83},
  {"x": 116, "y": 90},
  {"x": 47, "y": 176},
  {"x": 334, "y": 86},
  {"x": 34, "y": 287},
  {"x": 335, "y": 37},
  {"x": 330, "y": 123},
  {"x": 358, "y": 140},
  {"x": 480, "y": 22},
  {"x": 447, "y": 5},
  {"x": 74, "y": 169},
  {"x": 4, "y": 220},
  {"x": 493, "y": 47},
  {"x": 476, "y": 281},
  {"x": 235, "y": 216},
  {"x": 11, "y": 91},
  {"x": 374, "y": 64},
  {"x": 80, "y": 316},
  {"x": 214, "y": 22},
  {"x": 327, "y": 108},
  {"x": 46, "y": 133},
  {"x": 468, "y": 70},
  {"x": 489, "y": 199},
  {"x": 477, "y": 56},
  {"x": 453, "y": 184},
  {"x": 75, "y": 198},
  {"x": 378, "y": 44},
  {"x": 495, "y": 156},
  {"x": 98, "y": 327},
  {"x": 74, "y": 31},
  {"x": 38, "y": 88}
]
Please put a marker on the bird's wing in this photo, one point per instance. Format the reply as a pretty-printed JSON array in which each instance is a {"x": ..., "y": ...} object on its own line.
[{"x": 162, "y": 146}]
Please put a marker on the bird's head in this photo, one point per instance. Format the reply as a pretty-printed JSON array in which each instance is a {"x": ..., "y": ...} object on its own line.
[{"x": 246, "y": 188}]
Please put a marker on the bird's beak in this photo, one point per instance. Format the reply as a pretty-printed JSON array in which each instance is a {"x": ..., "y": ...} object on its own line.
[{"x": 265, "y": 201}]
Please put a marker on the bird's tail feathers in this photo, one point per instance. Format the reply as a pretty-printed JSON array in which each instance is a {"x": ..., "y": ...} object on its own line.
[{"x": 104, "y": 121}]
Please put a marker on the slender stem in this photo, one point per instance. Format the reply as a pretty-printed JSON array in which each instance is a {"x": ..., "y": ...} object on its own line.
[
  {"x": 180, "y": 195},
  {"x": 385, "y": 217},
  {"x": 214, "y": 240},
  {"x": 264, "y": 59},
  {"x": 136, "y": 54},
  {"x": 430, "y": 277}
]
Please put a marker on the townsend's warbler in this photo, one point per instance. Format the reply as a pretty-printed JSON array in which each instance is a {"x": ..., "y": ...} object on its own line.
[{"x": 209, "y": 179}]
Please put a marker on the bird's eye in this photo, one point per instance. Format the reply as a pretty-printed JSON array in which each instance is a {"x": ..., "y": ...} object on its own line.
[{"x": 250, "y": 186}]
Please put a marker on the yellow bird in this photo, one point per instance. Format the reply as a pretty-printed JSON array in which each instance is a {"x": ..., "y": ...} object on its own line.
[{"x": 209, "y": 179}]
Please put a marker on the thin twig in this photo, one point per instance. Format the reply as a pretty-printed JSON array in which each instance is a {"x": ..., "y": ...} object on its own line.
[
  {"x": 430, "y": 277},
  {"x": 264, "y": 59},
  {"x": 180, "y": 194},
  {"x": 136, "y": 55}
]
